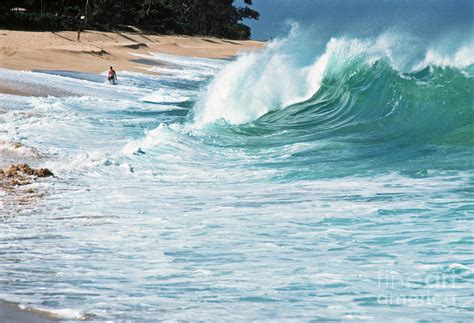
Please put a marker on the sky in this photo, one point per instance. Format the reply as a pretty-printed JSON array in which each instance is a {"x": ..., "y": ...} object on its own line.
[{"x": 363, "y": 17}]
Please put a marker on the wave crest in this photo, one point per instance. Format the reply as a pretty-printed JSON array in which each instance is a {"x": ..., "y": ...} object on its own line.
[{"x": 291, "y": 71}]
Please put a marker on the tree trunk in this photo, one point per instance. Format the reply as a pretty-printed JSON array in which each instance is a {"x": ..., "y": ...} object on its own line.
[{"x": 85, "y": 11}]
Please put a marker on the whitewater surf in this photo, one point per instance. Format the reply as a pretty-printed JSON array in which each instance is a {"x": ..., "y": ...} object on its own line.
[{"x": 329, "y": 182}]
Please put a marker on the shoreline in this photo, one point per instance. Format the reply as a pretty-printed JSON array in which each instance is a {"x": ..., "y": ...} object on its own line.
[
  {"x": 12, "y": 312},
  {"x": 93, "y": 53},
  {"x": 13, "y": 87},
  {"x": 96, "y": 51}
]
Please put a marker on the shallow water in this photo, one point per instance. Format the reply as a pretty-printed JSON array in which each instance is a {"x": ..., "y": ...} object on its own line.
[{"x": 222, "y": 189}]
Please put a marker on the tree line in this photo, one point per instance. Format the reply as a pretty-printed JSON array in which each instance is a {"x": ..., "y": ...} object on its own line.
[{"x": 219, "y": 18}]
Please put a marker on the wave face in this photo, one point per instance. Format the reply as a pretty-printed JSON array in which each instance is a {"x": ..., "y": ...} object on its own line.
[
  {"x": 290, "y": 72},
  {"x": 328, "y": 181},
  {"x": 380, "y": 103}
]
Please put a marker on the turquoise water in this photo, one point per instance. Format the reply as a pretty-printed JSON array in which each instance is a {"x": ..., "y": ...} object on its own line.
[{"x": 294, "y": 183}]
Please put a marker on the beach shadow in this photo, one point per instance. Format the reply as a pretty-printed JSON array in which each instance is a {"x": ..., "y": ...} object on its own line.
[
  {"x": 135, "y": 46},
  {"x": 127, "y": 37},
  {"x": 210, "y": 41},
  {"x": 149, "y": 39},
  {"x": 60, "y": 36},
  {"x": 230, "y": 42},
  {"x": 104, "y": 34}
]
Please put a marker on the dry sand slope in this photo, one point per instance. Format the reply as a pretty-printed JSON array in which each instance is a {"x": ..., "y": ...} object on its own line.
[{"x": 97, "y": 50}]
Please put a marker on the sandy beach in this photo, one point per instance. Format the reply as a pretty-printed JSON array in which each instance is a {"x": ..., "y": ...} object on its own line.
[{"x": 96, "y": 50}]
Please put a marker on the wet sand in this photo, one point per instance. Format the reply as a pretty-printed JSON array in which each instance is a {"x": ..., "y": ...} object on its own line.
[
  {"x": 27, "y": 89},
  {"x": 10, "y": 312}
]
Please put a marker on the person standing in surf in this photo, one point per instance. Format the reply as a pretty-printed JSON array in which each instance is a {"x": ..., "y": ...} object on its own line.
[{"x": 112, "y": 76}]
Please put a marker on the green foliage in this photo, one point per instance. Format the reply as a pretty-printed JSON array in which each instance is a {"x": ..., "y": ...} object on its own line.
[
  {"x": 218, "y": 18},
  {"x": 37, "y": 21}
]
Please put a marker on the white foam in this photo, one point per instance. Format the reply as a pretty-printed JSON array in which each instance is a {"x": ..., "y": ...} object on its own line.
[
  {"x": 188, "y": 61},
  {"x": 258, "y": 83},
  {"x": 166, "y": 96},
  {"x": 463, "y": 57},
  {"x": 64, "y": 313},
  {"x": 17, "y": 149},
  {"x": 151, "y": 139},
  {"x": 252, "y": 86}
]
